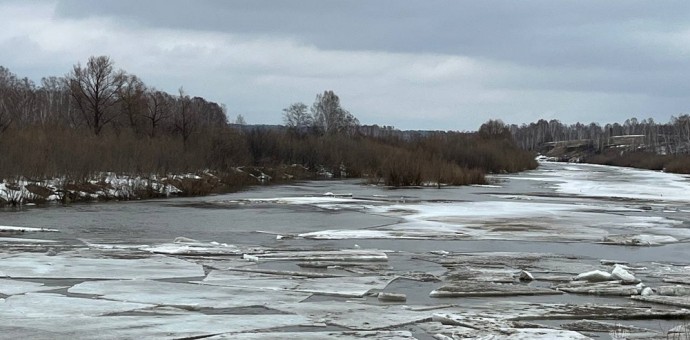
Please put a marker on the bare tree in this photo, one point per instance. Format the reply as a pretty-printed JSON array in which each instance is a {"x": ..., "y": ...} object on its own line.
[
  {"x": 133, "y": 100},
  {"x": 329, "y": 116},
  {"x": 297, "y": 118},
  {"x": 240, "y": 120},
  {"x": 95, "y": 90},
  {"x": 157, "y": 109},
  {"x": 184, "y": 121}
]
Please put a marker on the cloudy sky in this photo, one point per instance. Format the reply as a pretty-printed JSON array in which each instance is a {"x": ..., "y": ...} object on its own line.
[{"x": 431, "y": 64}]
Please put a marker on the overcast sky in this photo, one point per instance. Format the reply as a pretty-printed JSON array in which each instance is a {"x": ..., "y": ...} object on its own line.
[{"x": 430, "y": 64}]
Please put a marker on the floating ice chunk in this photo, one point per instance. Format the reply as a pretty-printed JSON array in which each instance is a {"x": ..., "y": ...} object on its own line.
[
  {"x": 676, "y": 290},
  {"x": 381, "y": 234},
  {"x": 335, "y": 335},
  {"x": 45, "y": 305},
  {"x": 179, "y": 248},
  {"x": 182, "y": 239},
  {"x": 13, "y": 287},
  {"x": 333, "y": 255},
  {"x": 25, "y": 240},
  {"x": 358, "y": 316},
  {"x": 6, "y": 228},
  {"x": 647, "y": 291},
  {"x": 680, "y": 301},
  {"x": 619, "y": 273},
  {"x": 525, "y": 276},
  {"x": 185, "y": 294},
  {"x": 392, "y": 297},
  {"x": 614, "y": 288},
  {"x": 600, "y": 326},
  {"x": 29, "y": 265},
  {"x": 350, "y": 286},
  {"x": 186, "y": 326},
  {"x": 474, "y": 289},
  {"x": 639, "y": 240},
  {"x": 594, "y": 276}
]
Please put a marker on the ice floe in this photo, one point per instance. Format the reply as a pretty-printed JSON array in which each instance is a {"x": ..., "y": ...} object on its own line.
[
  {"x": 332, "y": 255},
  {"x": 187, "y": 325},
  {"x": 187, "y": 295},
  {"x": 594, "y": 276},
  {"x": 14, "y": 229},
  {"x": 47, "y": 305},
  {"x": 319, "y": 335},
  {"x": 639, "y": 240},
  {"x": 477, "y": 289},
  {"x": 614, "y": 288},
  {"x": 357, "y": 316},
  {"x": 679, "y": 301},
  {"x": 13, "y": 287},
  {"x": 26, "y": 265},
  {"x": 348, "y": 286}
]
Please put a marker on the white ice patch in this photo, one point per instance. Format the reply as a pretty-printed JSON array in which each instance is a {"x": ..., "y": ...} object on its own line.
[
  {"x": 27, "y": 265},
  {"x": 24, "y": 240},
  {"x": 14, "y": 287},
  {"x": 334, "y": 335},
  {"x": 608, "y": 181},
  {"x": 185, "y": 294},
  {"x": 6, "y": 228},
  {"x": 194, "y": 249},
  {"x": 378, "y": 234},
  {"x": 190, "y": 325},
  {"x": 45, "y": 305},
  {"x": 333, "y": 255},
  {"x": 351, "y": 286}
]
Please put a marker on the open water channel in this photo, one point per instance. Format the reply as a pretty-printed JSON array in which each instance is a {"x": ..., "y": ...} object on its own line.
[{"x": 309, "y": 260}]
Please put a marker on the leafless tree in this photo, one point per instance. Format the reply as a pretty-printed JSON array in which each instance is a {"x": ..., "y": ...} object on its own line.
[
  {"x": 184, "y": 121},
  {"x": 297, "y": 118},
  {"x": 133, "y": 100},
  {"x": 95, "y": 90},
  {"x": 330, "y": 117},
  {"x": 158, "y": 106}
]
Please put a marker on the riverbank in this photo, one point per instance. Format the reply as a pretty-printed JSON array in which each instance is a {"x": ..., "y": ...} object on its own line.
[{"x": 109, "y": 186}]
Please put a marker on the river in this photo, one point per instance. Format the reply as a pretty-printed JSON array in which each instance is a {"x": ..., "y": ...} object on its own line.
[{"x": 309, "y": 259}]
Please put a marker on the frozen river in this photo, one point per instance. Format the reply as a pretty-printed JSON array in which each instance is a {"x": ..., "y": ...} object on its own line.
[{"x": 308, "y": 261}]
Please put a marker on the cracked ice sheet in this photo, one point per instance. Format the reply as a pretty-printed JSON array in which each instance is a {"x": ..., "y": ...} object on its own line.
[
  {"x": 357, "y": 316},
  {"x": 349, "y": 286},
  {"x": 349, "y": 335},
  {"x": 188, "y": 325},
  {"x": 14, "y": 287},
  {"x": 28, "y": 265},
  {"x": 47, "y": 305},
  {"x": 186, "y": 294}
]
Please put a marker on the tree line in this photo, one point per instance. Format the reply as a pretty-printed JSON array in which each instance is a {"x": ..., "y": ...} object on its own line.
[
  {"x": 98, "y": 118},
  {"x": 672, "y": 137},
  {"x": 641, "y": 144}
]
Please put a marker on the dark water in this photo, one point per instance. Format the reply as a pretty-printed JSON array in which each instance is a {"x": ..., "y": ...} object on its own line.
[{"x": 217, "y": 218}]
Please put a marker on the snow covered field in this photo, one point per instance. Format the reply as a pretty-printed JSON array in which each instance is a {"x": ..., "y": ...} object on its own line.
[{"x": 529, "y": 257}]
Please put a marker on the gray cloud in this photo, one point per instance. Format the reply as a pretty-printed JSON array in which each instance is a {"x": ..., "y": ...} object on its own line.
[{"x": 413, "y": 64}]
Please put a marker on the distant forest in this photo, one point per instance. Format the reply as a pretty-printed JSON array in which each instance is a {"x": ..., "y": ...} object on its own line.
[
  {"x": 641, "y": 144},
  {"x": 97, "y": 118}
]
